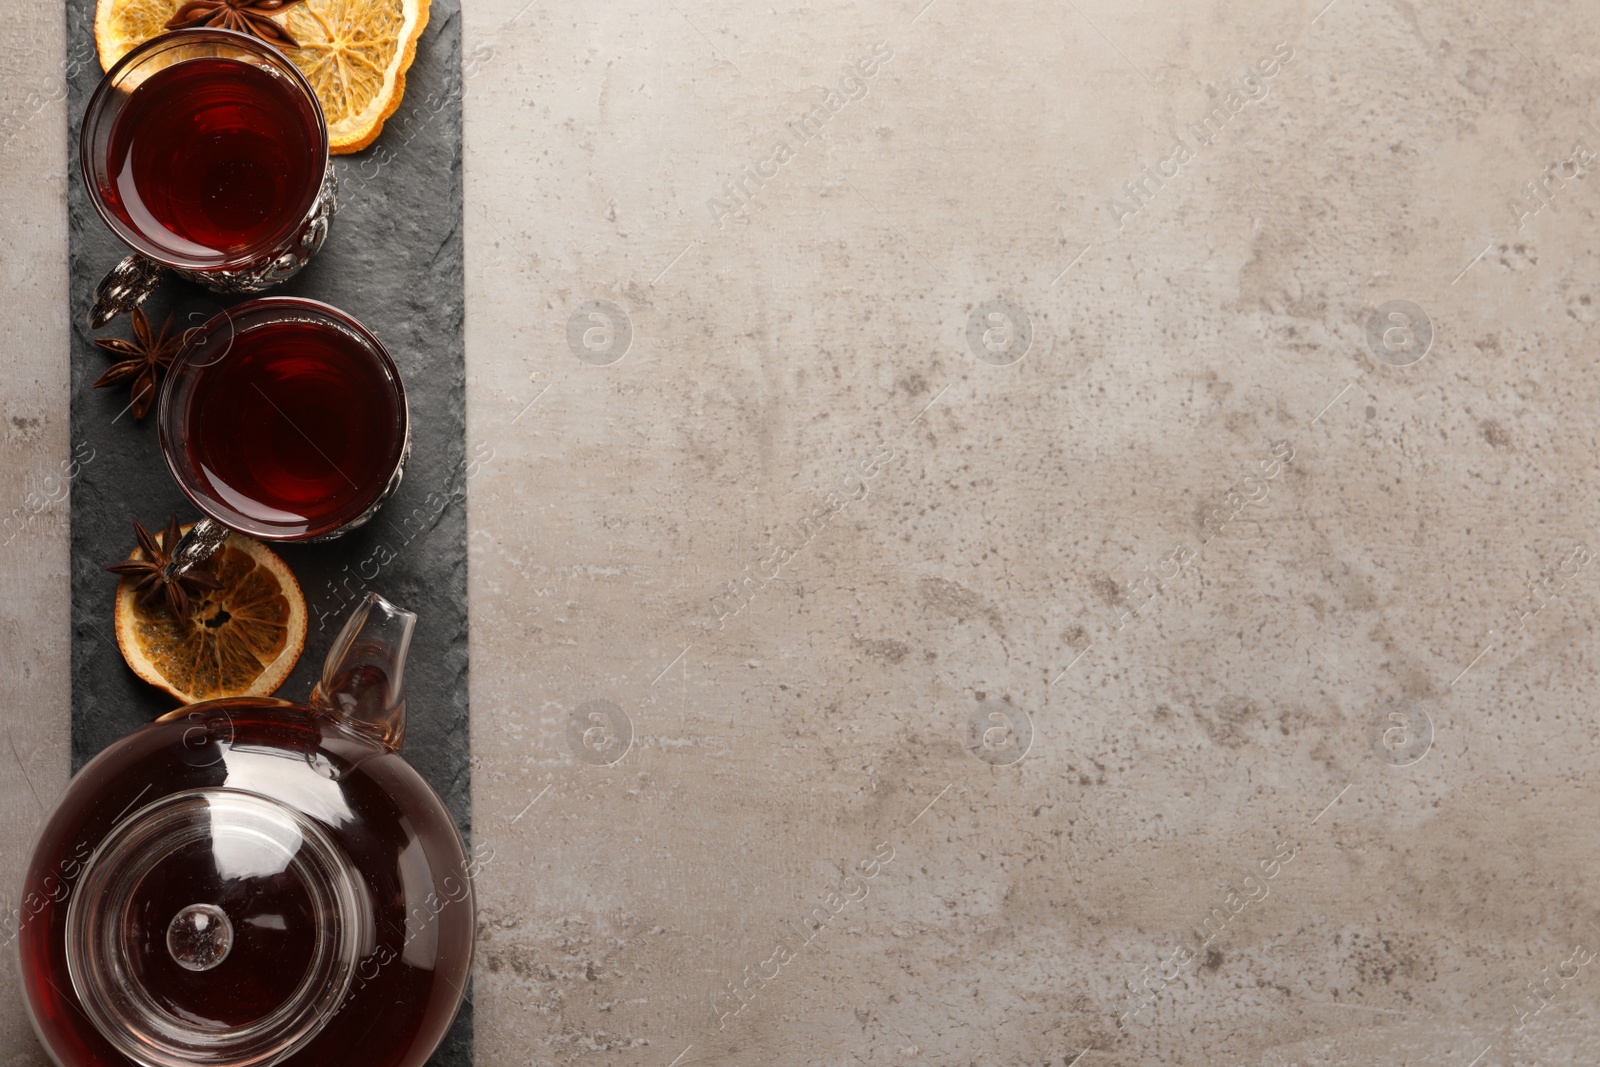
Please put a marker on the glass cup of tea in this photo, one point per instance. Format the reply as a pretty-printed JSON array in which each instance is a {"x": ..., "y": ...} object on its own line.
[
  {"x": 282, "y": 418},
  {"x": 206, "y": 152}
]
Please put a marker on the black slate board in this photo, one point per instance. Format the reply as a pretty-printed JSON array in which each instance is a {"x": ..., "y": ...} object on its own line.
[{"x": 393, "y": 259}]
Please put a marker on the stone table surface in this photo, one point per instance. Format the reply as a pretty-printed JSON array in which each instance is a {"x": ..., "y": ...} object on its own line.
[{"x": 1052, "y": 532}]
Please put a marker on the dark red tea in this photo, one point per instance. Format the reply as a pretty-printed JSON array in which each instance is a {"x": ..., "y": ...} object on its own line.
[
  {"x": 297, "y": 429},
  {"x": 213, "y": 157},
  {"x": 272, "y": 923}
]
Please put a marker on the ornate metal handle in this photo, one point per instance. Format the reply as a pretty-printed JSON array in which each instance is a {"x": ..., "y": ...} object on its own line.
[
  {"x": 124, "y": 288},
  {"x": 196, "y": 546}
]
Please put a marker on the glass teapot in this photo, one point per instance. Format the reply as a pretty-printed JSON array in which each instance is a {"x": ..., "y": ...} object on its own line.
[{"x": 247, "y": 882}]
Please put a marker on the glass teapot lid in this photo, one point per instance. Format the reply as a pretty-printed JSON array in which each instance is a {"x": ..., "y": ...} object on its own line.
[{"x": 214, "y": 926}]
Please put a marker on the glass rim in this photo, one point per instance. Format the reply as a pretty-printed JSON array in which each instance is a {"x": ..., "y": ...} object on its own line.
[
  {"x": 99, "y": 101},
  {"x": 173, "y": 438}
]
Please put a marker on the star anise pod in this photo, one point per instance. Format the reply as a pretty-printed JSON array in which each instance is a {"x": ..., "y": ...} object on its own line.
[
  {"x": 148, "y": 354},
  {"x": 247, "y": 16},
  {"x": 149, "y": 573}
]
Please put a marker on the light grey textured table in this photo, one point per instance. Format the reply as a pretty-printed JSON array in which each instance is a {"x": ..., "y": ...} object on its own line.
[{"x": 1188, "y": 664}]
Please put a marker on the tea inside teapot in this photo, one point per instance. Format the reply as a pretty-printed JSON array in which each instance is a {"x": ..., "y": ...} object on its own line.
[{"x": 254, "y": 882}]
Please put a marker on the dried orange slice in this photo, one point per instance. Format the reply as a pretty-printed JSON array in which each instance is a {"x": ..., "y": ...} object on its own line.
[
  {"x": 242, "y": 639},
  {"x": 355, "y": 53}
]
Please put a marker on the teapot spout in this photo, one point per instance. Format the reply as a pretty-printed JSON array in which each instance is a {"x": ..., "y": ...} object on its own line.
[{"x": 363, "y": 678}]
